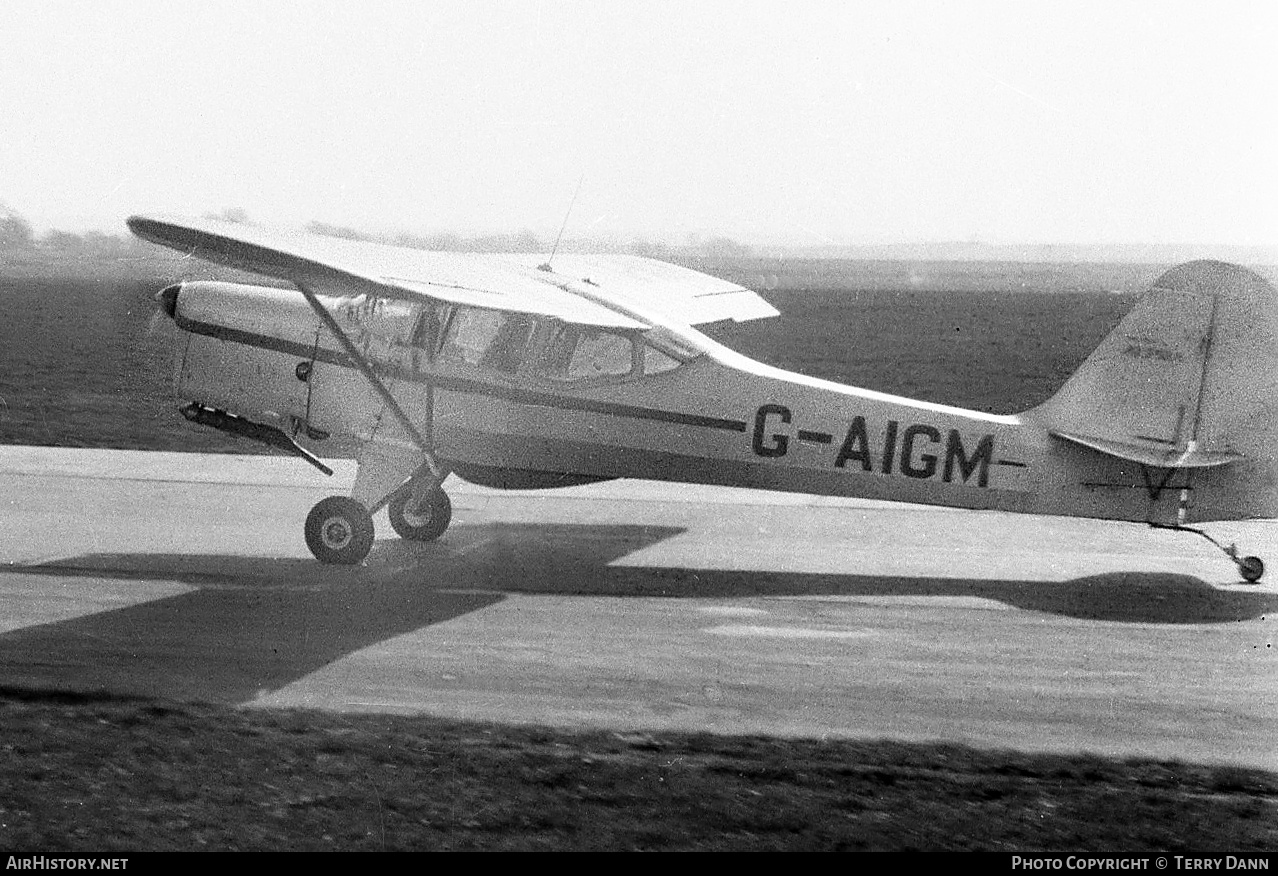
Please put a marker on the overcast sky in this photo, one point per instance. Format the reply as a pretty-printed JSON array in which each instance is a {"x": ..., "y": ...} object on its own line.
[{"x": 1066, "y": 122}]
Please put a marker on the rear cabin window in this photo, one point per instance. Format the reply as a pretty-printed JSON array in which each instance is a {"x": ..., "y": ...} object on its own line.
[
  {"x": 656, "y": 362},
  {"x": 585, "y": 353},
  {"x": 490, "y": 339}
]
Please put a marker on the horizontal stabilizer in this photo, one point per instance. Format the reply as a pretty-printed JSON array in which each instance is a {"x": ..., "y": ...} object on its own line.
[{"x": 1154, "y": 453}]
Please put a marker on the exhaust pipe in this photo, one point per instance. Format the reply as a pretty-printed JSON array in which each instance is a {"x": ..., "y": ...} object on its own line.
[{"x": 235, "y": 425}]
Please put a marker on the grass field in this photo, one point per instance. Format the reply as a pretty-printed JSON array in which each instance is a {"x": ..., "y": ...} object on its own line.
[
  {"x": 98, "y": 773},
  {"x": 79, "y": 368},
  {"x": 81, "y": 773}
]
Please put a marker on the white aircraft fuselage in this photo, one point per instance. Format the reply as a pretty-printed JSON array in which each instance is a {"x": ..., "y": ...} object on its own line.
[
  {"x": 691, "y": 411},
  {"x": 513, "y": 373}
]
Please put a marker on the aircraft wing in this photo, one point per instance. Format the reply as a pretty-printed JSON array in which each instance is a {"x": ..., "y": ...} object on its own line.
[
  {"x": 508, "y": 281},
  {"x": 689, "y": 296}
]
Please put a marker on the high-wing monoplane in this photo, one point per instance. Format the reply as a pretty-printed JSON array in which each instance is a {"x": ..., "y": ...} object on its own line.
[{"x": 510, "y": 371}]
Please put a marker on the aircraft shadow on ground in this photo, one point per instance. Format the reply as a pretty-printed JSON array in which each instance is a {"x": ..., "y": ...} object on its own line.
[
  {"x": 255, "y": 624},
  {"x": 582, "y": 560}
]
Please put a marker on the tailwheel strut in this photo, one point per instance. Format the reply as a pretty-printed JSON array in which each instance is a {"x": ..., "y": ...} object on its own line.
[{"x": 1251, "y": 568}]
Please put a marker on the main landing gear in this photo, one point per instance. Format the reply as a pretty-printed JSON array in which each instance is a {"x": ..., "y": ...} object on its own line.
[
  {"x": 1251, "y": 568},
  {"x": 422, "y": 518},
  {"x": 339, "y": 530}
]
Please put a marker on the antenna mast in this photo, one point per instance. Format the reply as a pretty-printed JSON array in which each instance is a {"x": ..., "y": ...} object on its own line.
[{"x": 545, "y": 266}]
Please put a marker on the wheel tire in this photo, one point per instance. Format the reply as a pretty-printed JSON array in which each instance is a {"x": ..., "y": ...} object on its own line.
[
  {"x": 427, "y": 521},
  {"x": 1251, "y": 569},
  {"x": 339, "y": 531}
]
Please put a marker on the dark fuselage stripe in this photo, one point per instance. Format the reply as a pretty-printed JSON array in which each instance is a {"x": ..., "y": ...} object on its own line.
[
  {"x": 253, "y": 339},
  {"x": 815, "y": 437},
  {"x": 460, "y": 384}
]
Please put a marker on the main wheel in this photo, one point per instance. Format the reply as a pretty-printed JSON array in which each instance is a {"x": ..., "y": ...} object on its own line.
[
  {"x": 1251, "y": 568},
  {"x": 339, "y": 530},
  {"x": 420, "y": 521}
]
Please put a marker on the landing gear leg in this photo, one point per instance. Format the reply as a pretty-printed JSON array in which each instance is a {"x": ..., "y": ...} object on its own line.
[
  {"x": 1251, "y": 568},
  {"x": 339, "y": 530},
  {"x": 420, "y": 515}
]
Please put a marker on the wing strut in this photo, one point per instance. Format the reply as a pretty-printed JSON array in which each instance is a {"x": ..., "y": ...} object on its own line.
[{"x": 362, "y": 363}]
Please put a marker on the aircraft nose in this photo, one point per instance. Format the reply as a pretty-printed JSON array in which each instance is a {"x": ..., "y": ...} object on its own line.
[{"x": 167, "y": 297}]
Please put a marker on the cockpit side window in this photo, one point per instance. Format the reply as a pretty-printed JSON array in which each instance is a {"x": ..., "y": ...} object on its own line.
[
  {"x": 427, "y": 333},
  {"x": 506, "y": 352},
  {"x": 490, "y": 339},
  {"x": 504, "y": 342}
]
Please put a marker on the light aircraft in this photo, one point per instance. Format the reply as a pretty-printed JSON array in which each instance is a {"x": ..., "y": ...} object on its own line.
[{"x": 515, "y": 371}]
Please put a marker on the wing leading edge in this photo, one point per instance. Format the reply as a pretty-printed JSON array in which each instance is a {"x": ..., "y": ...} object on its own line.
[{"x": 618, "y": 284}]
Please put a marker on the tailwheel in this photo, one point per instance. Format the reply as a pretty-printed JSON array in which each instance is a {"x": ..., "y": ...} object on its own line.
[
  {"x": 420, "y": 518},
  {"x": 1251, "y": 568},
  {"x": 339, "y": 530}
]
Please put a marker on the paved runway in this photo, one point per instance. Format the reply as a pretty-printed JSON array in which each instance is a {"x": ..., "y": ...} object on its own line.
[{"x": 639, "y": 606}]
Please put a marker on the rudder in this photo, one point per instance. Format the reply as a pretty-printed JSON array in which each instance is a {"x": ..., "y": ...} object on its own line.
[{"x": 1188, "y": 379}]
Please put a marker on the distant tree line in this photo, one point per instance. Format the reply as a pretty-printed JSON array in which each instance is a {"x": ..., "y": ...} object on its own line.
[
  {"x": 16, "y": 233},
  {"x": 528, "y": 241}
]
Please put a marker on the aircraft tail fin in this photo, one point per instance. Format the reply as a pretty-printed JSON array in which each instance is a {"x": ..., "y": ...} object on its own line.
[{"x": 1188, "y": 379}]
